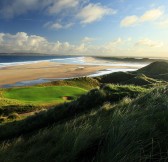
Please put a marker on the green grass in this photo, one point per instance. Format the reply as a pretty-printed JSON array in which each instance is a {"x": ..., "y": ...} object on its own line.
[
  {"x": 39, "y": 95},
  {"x": 126, "y": 131},
  {"x": 91, "y": 100},
  {"x": 82, "y": 82},
  {"x": 155, "y": 68},
  {"x": 116, "y": 78},
  {"x": 43, "y": 96}
]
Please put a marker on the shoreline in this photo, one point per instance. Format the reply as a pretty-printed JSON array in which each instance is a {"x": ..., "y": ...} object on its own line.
[
  {"x": 45, "y": 70},
  {"x": 47, "y": 80}
]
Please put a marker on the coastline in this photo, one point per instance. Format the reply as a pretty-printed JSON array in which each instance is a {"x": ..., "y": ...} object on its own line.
[{"x": 47, "y": 71}]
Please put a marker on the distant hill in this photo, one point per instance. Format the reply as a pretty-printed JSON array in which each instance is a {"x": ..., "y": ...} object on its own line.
[
  {"x": 132, "y": 59},
  {"x": 154, "y": 73},
  {"x": 155, "y": 68},
  {"x": 116, "y": 78}
]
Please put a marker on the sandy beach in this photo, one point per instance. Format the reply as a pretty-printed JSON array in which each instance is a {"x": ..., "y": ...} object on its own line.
[{"x": 47, "y": 70}]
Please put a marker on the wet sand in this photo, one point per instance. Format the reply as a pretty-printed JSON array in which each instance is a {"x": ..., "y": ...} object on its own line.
[{"x": 47, "y": 70}]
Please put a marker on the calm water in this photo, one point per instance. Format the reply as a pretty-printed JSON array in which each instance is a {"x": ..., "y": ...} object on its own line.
[{"x": 8, "y": 60}]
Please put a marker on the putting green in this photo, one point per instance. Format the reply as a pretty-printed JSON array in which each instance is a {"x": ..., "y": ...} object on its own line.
[{"x": 44, "y": 94}]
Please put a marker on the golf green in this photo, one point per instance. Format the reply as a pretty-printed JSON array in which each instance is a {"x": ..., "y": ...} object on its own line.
[{"x": 44, "y": 94}]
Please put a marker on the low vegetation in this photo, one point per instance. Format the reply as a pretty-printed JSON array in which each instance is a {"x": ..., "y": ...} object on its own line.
[
  {"x": 113, "y": 122},
  {"x": 82, "y": 82},
  {"x": 155, "y": 68}
]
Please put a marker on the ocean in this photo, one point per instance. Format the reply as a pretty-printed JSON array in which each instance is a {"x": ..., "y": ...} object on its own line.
[{"x": 9, "y": 60}]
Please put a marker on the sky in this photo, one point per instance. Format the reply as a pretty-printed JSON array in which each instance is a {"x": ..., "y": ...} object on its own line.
[{"x": 85, "y": 27}]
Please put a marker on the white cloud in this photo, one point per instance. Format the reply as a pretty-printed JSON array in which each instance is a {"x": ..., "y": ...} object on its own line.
[
  {"x": 151, "y": 15},
  {"x": 149, "y": 43},
  {"x": 86, "y": 13},
  {"x": 1, "y": 37},
  {"x": 74, "y": 10},
  {"x": 87, "y": 40},
  {"x": 163, "y": 23},
  {"x": 129, "y": 39},
  {"x": 59, "y": 5},
  {"x": 129, "y": 21},
  {"x": 93, "y": 12},
  {"x": 81, "y": 48},
  {"x": 114, "y": 43},
  {"x": 22, "y": 42},
  {"x": 58, "y": 26},
  {"x": 18, "y": 7}
]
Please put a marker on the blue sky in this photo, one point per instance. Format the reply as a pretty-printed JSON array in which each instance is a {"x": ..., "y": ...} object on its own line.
[{"x": 85, "y": 27}]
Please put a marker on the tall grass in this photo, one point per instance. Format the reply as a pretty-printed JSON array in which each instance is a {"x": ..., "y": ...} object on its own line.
[{"x": 123, "y": 132}]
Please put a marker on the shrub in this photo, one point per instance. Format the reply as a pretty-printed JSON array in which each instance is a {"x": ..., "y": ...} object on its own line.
[
  {"x": 13, "y": 116},
  {"x": 2, "y": 119}
]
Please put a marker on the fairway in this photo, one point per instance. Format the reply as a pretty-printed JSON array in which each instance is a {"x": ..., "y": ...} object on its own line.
[{"x": 44, "y": 94}]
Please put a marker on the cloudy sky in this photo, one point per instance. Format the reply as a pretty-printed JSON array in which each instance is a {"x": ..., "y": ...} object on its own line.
[{"x": 85, "y": 27}]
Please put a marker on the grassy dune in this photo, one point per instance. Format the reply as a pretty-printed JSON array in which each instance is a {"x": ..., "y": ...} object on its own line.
[
  {"x": 82, "y": 82},
  {"x": 150, "y": 76},
  {"x": 25, "y": 101},
  {"x": 130, "y": 128}
]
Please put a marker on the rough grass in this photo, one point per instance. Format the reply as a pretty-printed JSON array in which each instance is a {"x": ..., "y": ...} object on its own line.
[
  {"x": 155, "y": 68},
  {"x": 116, "y": 78},
  {"x": 143, "y": 80},
  {"x": 7, "y": 101},
  {"x": 82, "y": 82},
  {"x": 130, "y": 130},
  {"x": 128, "y": 78},
  {"x": 8, "y": 106}
]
